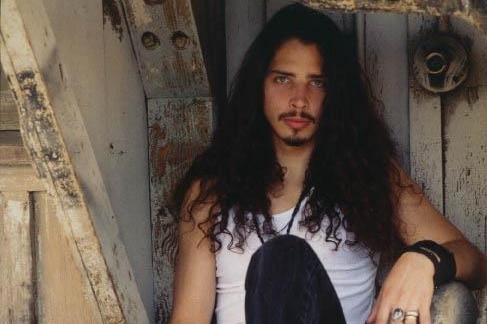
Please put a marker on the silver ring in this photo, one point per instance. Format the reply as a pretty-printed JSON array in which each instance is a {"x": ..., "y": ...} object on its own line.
[
  {"x": 397, "y": 315},
  {"x": 414, "y": 314}
]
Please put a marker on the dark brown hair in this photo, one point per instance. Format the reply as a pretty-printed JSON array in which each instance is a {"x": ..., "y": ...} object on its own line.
[{"x": 351, "y": 166}]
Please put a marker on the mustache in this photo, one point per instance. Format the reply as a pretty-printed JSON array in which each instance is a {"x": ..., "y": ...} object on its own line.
[{"x": 294, "y": 113}]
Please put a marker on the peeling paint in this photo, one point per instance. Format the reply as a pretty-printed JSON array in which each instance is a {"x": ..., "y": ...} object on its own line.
[
  {"x": 111, "y": 11},
  {"x": 41, "y": 123},
  {"x": 473, "y": 11}
]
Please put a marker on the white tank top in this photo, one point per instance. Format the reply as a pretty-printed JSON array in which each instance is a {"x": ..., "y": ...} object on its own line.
[{"x": 350, "y": 269}]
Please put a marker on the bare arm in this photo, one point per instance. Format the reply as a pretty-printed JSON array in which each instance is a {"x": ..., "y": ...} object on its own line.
[
  {"x": 409, "y": 284},
  {"x": 423, "y": 222},
  {"x": 194, "y": 285}
]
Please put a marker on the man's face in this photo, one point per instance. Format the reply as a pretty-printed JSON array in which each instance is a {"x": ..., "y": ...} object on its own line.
[{"x": 294, "y": 90}]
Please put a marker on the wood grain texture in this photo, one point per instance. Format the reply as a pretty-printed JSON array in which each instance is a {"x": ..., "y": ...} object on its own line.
[
  {"x": 62, "y": 281},
  {"x": 386, "y": 65},
  {"x": 9, "y": 119},
  {"x": 179, "y": 129},
  {"x": 174, "y": 66},
  {"x": 243, "y": 21},
  {"x": 12, "y": 149},
  {"x": 50, "y": 118},
  {"x": 465, "y": 146},
  {"x": 425, "y": 134},
  {"x": 20, "y": 177},
  {"x": 121, "y": 149},
  {"x": 472, "y": 11},
  {"x": 17, "y": 293}
]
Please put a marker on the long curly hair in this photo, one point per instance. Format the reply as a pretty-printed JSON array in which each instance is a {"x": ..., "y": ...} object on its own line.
[{"x": 351, "y": 166}]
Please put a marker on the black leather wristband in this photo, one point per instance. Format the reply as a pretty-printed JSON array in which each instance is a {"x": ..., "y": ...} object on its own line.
[{"x": 443, "y": 260}]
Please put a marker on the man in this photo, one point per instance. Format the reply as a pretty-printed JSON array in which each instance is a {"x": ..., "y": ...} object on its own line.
[{"x": 300, "y": 150}]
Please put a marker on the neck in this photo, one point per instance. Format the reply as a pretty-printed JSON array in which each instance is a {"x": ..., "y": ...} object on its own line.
[{"x": 295, "y": 161}]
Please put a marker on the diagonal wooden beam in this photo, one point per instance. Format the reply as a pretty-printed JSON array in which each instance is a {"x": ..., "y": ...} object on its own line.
[
  {"x": 54, "y": 134},
  {"x": 473, "y": 11}
]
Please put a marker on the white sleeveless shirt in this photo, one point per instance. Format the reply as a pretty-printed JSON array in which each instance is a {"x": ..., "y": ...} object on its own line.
[{"x": 350, "y": 269}]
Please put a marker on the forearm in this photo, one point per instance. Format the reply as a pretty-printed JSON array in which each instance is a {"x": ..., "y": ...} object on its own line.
[{"x": 471, "y": 263}]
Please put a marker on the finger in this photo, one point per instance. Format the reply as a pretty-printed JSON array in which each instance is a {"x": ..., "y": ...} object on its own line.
[
  {"x": 410, "y": 317},
  {"x": 383, "y": 315},
  {"x": 425, "y": 316},
  {"x": 380, "y": 313},
  {"x": 411, "y": 320},
  {"x": 373, "y": 313},
  {"x": 372, "y": 316}
]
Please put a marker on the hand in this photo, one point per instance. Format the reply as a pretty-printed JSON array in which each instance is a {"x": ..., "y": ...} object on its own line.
[{"x": 409, "y": 286}]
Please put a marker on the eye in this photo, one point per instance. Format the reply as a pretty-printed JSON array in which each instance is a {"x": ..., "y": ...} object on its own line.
[
  {"x": 281, "y": 79},
  {"x": 320, "y": 83}
]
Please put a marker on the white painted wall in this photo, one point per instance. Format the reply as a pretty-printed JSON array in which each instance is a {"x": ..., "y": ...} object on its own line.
[{"x": 100, "y": 64}]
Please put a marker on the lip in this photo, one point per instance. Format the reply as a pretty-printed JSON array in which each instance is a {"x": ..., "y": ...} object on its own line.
[{"x": 296, "y": 123}]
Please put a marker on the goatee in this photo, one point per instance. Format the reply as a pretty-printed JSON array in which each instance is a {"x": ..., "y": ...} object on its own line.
[{"x": 295, "y": 141}]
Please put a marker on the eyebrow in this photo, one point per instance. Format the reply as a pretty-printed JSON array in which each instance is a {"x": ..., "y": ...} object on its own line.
[{"x": 311, "y": 76}]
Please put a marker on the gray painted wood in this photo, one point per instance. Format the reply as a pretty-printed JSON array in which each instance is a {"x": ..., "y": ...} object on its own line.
[
  {"x": 386, "y": 65},
  {"x": 173, "y": 64},
  {"x": 99, "y": 62},
  {"x": 179, "y": 130},
  {"x": 449, "y": 139},
  {"x": 54, "y": 132},
  {"x": 465, "y": 146},
  {"x": 243, "y": 20},
  {"x": 472, "y": 11},
  {"x": 425, "y": 134}
]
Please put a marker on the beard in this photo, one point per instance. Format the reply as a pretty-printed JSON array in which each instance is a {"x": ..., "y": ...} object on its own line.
[{"x": 295, "y": 141}]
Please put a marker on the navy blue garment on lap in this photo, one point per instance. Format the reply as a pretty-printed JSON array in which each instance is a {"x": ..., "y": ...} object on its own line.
[{"x": 287, "y": 283}]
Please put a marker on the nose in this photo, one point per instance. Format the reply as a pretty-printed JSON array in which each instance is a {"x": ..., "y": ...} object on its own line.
[{"x": 299, "y": 99}]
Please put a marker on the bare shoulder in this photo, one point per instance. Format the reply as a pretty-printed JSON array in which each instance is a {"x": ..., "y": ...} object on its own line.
[
  {"x": 195, "y": 277},
  {"x": 197, "y": 205}
]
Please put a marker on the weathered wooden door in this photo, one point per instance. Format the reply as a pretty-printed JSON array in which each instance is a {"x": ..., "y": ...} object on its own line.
[{"x": 62, "y": 258}]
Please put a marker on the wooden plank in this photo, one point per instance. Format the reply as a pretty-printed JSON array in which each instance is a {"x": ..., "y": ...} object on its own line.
[
  {"x": 49, "y": 116},
  {"x": 472, "y": 11},
  {"x": 425, "y": 135},
  {"x": 20, "y": 177},
  {"x": 17, "y": 293},
  {"x": 243, "y": 21},
  {"x": 168, "y": 48},
  {"x": 121, "y": 149},
  {"x": 11, "y": 155},
  {"x": 465, "y": 151},
  {"x": 179, "y": 131},
  {"x": 62, "y": 281},
  {"x": 9, "y": 119},
  {"x": 12, "y": 149},
  {"x": 386, "y": 65}
]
